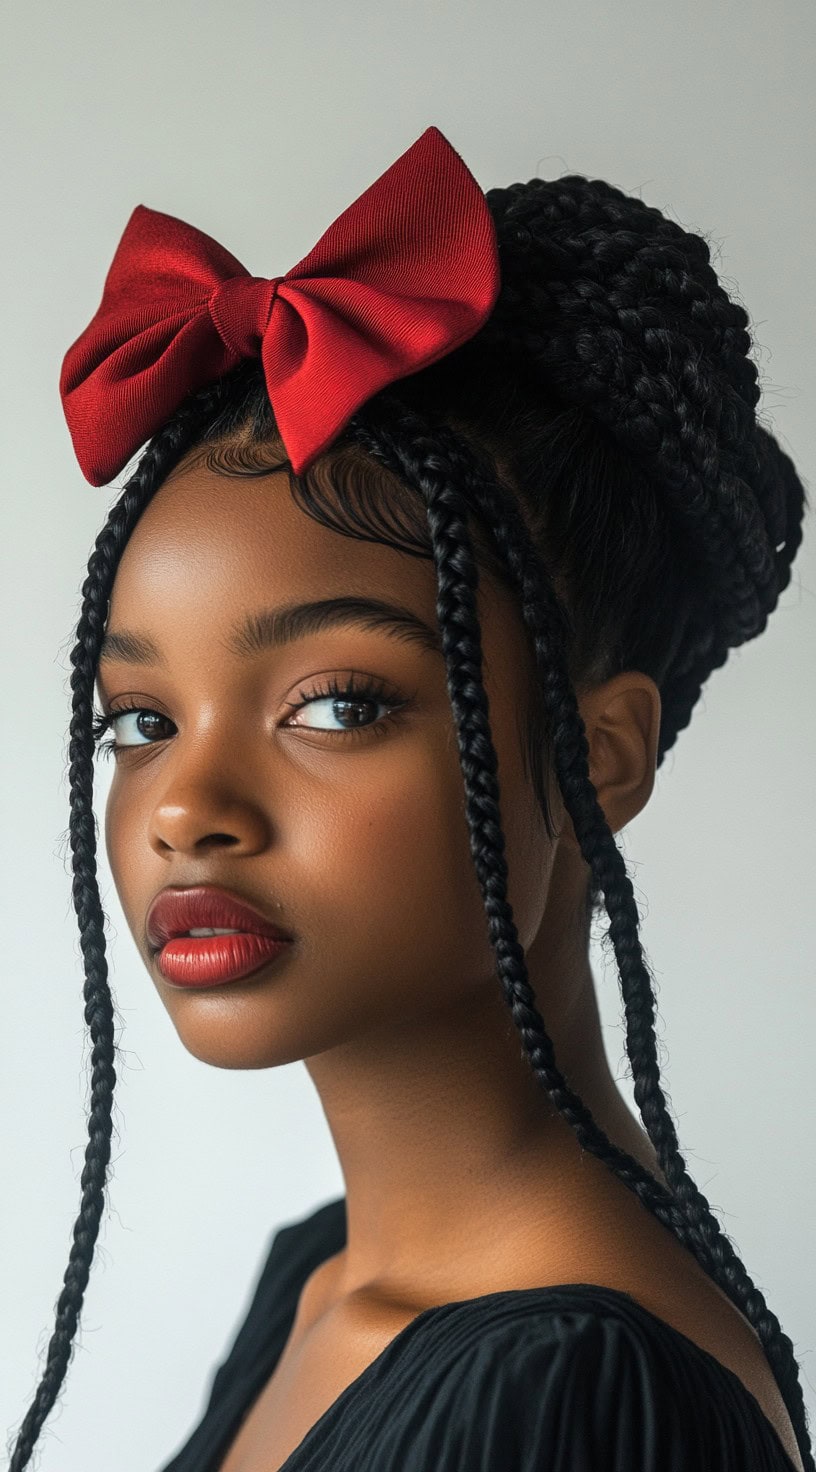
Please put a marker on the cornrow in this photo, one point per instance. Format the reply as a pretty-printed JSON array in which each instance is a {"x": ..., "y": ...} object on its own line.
[{"x": 601, "y": 435}]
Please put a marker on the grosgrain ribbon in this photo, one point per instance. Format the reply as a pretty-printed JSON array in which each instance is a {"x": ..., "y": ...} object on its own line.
[{"x": 407, "y": 273}]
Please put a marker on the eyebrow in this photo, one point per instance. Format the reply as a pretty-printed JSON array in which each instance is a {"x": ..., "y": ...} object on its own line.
[{"x": 274, "y": 627}]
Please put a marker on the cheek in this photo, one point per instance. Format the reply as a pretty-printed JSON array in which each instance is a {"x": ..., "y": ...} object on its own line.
[
  {"x": 393, "y": 886},
  {"x": 131, "y": 860},
  {"x": 116, "y": 839},
  {"x": 397, "y": 837},
  {"x": 385, "y": 864}
]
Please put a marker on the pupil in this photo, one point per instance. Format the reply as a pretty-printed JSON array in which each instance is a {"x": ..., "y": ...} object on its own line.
[{"x": 352, "y": 705}]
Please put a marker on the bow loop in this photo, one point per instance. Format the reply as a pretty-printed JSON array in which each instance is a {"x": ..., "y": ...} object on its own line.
[
  {"x": 240, "y": 309},
  {"x": 408, "y": 272}
]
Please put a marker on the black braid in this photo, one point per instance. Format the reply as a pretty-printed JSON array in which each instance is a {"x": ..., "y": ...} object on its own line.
[
  {"x": 602, "y": 431},
  {"x": 450, "y": 480},
  {"x": 156, "y": 463},
  {"x": 616, "y": 358}
]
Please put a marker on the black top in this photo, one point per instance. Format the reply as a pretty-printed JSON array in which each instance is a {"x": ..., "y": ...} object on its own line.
[{"x": 572, "y": 1378}]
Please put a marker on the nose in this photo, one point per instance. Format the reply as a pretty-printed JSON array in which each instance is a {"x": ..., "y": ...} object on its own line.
[{"x": 204, "y": 809}]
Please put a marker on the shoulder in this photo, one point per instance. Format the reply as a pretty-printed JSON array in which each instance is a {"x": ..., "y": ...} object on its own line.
[{"x": 582, "y": 1377}]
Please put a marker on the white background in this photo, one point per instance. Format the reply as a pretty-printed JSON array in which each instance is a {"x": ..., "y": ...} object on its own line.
[{"x": 259, "y": 123}]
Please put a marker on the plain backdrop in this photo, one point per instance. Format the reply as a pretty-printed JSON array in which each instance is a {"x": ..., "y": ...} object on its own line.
[{"x": 259, "y": 123}]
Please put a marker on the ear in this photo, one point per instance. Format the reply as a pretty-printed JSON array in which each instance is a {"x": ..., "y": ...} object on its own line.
[{"x": 622, "y": 720}]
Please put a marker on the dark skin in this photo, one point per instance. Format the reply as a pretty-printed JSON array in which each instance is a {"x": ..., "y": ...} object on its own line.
[{"x": 460, "y": 1176}]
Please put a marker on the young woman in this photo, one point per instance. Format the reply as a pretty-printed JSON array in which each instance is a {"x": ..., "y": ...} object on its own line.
[{"x": 431, "y": 549}]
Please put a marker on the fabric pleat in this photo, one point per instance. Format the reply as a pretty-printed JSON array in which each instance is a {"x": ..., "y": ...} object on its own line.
[{"x": 575, "y": 1377}]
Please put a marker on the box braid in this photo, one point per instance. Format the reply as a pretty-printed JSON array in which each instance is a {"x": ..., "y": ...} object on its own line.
[
  {"x": 614, "y": 367},
  {"x": 158, "y": 460},
  {"x": 449, "y": 477}
]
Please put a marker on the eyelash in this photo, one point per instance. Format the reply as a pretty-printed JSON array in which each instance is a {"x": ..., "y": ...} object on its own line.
[{"x": 356, "y": 691}]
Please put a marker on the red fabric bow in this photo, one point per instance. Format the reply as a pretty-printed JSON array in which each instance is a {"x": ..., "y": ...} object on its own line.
[{"x": 402, "y": 277}]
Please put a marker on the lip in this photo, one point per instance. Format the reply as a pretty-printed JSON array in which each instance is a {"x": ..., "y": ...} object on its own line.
[{"x": 175, "y": 911}]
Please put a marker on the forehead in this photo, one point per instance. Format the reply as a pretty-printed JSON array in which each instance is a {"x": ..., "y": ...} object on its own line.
[
  {"x": 211, "y": 548},
  {"x": 206, "y": 536}
]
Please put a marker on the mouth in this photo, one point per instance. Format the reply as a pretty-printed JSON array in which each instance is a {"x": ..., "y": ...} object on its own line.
[{"x": 205, "y": 936}]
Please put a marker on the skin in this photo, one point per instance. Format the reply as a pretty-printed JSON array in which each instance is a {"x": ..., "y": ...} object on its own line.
[
  {"x": 360, "y": 846},
  {"x": 460, "y": 1176}
]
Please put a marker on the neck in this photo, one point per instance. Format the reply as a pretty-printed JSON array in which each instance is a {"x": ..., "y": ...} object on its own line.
[{"x": 448, "y": 1143}]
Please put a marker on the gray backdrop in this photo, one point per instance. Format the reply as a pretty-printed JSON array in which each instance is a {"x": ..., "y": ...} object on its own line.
[{"x": 259, "y": 123}]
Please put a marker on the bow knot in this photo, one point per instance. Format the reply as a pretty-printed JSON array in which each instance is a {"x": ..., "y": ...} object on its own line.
[
  {"x": 408, "y": 272},
  {"x": 240, "y": 308}
]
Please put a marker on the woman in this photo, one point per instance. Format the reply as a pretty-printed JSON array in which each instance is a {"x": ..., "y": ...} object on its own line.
[{"x": 433, "y": 545}]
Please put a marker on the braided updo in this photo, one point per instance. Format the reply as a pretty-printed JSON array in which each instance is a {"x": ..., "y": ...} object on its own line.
[{"x": 595, "y": 447}]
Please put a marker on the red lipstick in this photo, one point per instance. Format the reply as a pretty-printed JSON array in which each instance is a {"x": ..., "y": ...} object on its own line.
[{"x": 209, "y": 960}]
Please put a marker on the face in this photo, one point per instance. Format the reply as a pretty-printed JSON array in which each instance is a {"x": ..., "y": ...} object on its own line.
[{"x": 343, "y": 821}]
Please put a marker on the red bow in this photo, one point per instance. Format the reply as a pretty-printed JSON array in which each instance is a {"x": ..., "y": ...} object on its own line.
[{"x": 402, "y": 277}]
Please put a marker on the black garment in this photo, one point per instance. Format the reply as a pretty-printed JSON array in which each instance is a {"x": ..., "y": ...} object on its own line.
[{"x": 572, "y": 1378}]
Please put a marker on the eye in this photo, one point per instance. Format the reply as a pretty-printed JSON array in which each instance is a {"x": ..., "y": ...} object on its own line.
[
  {"x": 138, "y": 716},
  {"x": 344, "y": 701}
]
